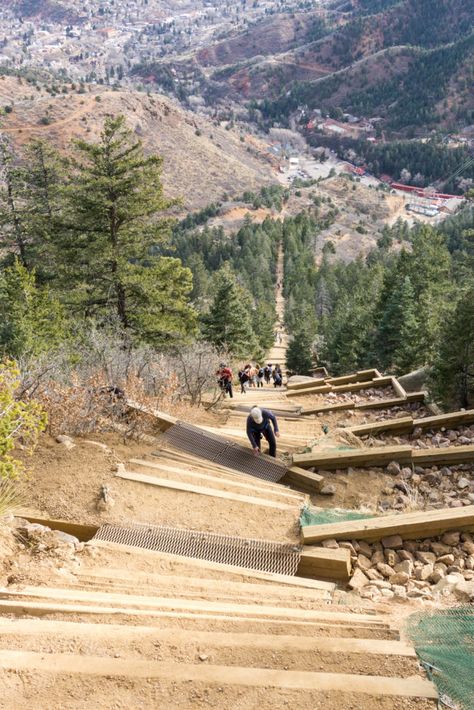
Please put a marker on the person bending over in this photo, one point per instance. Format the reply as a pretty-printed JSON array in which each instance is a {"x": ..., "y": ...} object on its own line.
[{"x": 262, "y": 422}]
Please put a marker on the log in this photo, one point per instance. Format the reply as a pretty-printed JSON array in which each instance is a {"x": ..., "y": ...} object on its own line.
[
  {"x": 320, "y": 563},
  {"x": 202, "y": 490},
  {"x": 328, "y": 408},
  {"x": 321, "y": 389},
  {"x": 410, "y": 526},
  {"x": 440, "y": 420},
  {"x": 357, "y": 386},
  {"x": 449, "y": 455},
  {"x": 403, "y": 424},
  {"x": 378, "y": 456},
  {"x": 360, "y": 376},
  {"x": 303, "y": 480}
]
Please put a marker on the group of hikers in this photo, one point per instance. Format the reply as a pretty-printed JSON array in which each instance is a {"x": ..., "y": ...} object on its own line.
[{"x": 249, "y": 376}]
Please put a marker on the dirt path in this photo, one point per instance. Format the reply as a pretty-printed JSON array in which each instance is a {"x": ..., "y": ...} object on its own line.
[{"x": 26, "y": 129}]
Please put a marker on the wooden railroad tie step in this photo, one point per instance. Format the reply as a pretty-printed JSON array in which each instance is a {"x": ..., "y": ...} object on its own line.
[
  {"x": 59, "y": 663},
  {"x": 280, "y": 642},
  {"x": 409, "y": 526}
]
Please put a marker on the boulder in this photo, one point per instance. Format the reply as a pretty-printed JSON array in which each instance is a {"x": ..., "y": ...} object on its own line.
[
  {"x": 428, "y": 558},
  {"x": 394, "y": 468},
  {"x": 464, "y": 591},
  {"x": 424, "y": 572},
  {"x": 439, "y": 549},
  {"x": 327, "y": 490},
  {"x": 385, "y": 569},
  {"x": 399, "y": 578},
  {"x": 405, "y": 566},
  {"x": 363, "y": 562}
]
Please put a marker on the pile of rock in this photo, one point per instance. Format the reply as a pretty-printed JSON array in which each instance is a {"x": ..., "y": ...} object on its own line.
[
  {"x": 429, "y": 488},
  {"x": 432, "y": 438},
  {"x": 412, "y": 569}
]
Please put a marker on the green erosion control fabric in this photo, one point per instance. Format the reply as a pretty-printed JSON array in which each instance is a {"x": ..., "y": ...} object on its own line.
[
  {"x": 335, "y": 515},
  {"x": 444, "y": 642}
]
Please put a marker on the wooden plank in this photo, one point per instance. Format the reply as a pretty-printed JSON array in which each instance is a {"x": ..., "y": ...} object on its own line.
[
  {"x": 337, "y": 407},
  {"x": 165, "y": 603},
  {"x": 402, "y": 424},
  {"x": 382, "y": 403},
  {"x": 357, "y": 386},
  {"x": 360, "y": 376},
  {"x": 82, "y": 532},
  {"x": 325, "y": 564},
  {"x": 416, "y": 396},
  {"x": 322, "y": 389},
  {"x": 408, "y": 525},
  {"x": 219, "y": 639},
  {"x": 313, "y": 382},
  {"x": 398, "y": 388},
  {"x": 165, "y": 421},
  {"x": 450, "y": 419},
  {"x": 279, "y": 492},
  {"x": 451, "y": 454},
  {"x": 304, "y": 480},
  {"x": 42, "y": 608},
  {"x": 377, "y": 456},
  {"x": 58, "y": 663},
  {"x": 201, "y": 490},
  {"x": 221, "y": 568}
]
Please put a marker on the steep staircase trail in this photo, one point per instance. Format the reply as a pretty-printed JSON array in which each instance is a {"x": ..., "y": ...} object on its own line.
[
  {"x": 277, "y": 354},
  {"x": 152, "y": 630}
]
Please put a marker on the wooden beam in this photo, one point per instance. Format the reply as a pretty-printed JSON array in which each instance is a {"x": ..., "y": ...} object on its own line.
[
  {"x": 248, "y": 484},
  {"x": 336, "y": 407},
  {"x": 440, "y": 420},
  {"x": 377, "y": 456},
  {"x": 82, "y": 532},
  {"x": 357, "y": 386},
  {"x": 314, "y": 381},
  {"x": 451, "y": 454},
  {"x": 402, "y": 424},
  {"x": 303, "y": 480},
  {"x": 217, "y": 639},
  {"x": 398, "y": 388},
  {"x": 164, "y": 421},
  {"x": 382, "y": 403},
  {"x": 168, "y": 671},
  {"x": 321, "y": 389},
  {"x": 360, "y": 376},
  {"x": 320, "y": 563},
  {"x": 201, "y": 490},
  {"x": 409, "y": 525}
]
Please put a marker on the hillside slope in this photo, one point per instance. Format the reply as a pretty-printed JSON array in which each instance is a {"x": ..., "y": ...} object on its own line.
[{"x": 202, "y": 161}]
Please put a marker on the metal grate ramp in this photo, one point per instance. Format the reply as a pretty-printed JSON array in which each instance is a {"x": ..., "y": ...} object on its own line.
[
  {"x": 253, "y": 554},
  {"x": 215, "y": 448}
]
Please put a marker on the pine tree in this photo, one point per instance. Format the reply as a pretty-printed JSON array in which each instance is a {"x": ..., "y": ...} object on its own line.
[
  {"x": 397, "y": 332},
  {"x": 114, "y": 201},
  {"x": 32, "y": 321},
  {"x": 453, "y": 371},
  {"x": 228, "y": 323},
  {"x": 299, "y": 356}
]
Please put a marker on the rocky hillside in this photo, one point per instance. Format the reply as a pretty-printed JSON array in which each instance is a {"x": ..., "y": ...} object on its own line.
[{"x": 202, "y": 161}]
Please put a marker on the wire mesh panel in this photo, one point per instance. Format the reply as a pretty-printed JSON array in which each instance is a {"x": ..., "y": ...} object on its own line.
[
  {"x": 213, "y": 447},
  {"x": 242, "y": 552}
]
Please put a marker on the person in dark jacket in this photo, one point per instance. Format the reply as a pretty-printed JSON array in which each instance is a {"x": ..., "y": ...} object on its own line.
[{"x": 262, "y": 422}]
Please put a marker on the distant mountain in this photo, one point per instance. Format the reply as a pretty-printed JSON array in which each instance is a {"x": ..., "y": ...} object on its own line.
[
  {"x": 53, "y": 10},
  {"x": 409, "y": 62}
]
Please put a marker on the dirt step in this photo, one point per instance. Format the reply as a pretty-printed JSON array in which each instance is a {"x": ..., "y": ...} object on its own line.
[
  {"x": 362, "y": 686},
  {"x": 368, "y": 657}
]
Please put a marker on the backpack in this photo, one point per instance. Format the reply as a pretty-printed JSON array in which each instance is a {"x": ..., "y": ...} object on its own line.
[{"x": 261, "y": 372}]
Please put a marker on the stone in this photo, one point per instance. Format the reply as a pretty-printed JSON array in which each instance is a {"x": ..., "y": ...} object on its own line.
[
  {"x": 406, "y": 472},
  {"x": 391, "y": 558},
  {"x": 424, "y": 572},
  {"x": 455, "y": 504},
  {"x": 393, "y": 542},
  {"x": 387, "y": 593},
  {"x": 463, "y": 483},
  {"x": 369, "y": 593},
  {"x": 428, "y": 558},
  {"x": 394, "y": 468},
  {"x": 381, "y": 584},
  {"x": 203, "y": 657},
  {"x": 358, "y": 580},
  {"x": 451, "y": 538},
  {"x": 377, "y": 557},
  {"x": 399, "y": 591},
  {"x": 405, "y": 566},
  {"x": 65, "y": 537},
  {"x": 347, "y": 546},
  {"x": 327, "y": 490},
  {"x": 446, "y": 559},
  {"x": 464, "y": 591},
  {"x": 465, "y": 440},
  {"x": 373, "y": 574},
  {"x": 364, "y": 548},
  {"x": 439, "y": 549},
  {"x": 399, "y": 578},
  {"x": 385, "y": 569},
  {"x": 330, "y": 544},
  {"x": 405, "y": 555},
  {"x": 363, "y": 562}
]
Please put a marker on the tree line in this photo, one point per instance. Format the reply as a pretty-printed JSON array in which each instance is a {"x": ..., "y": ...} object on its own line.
[{"x": 398, "y": 309}]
